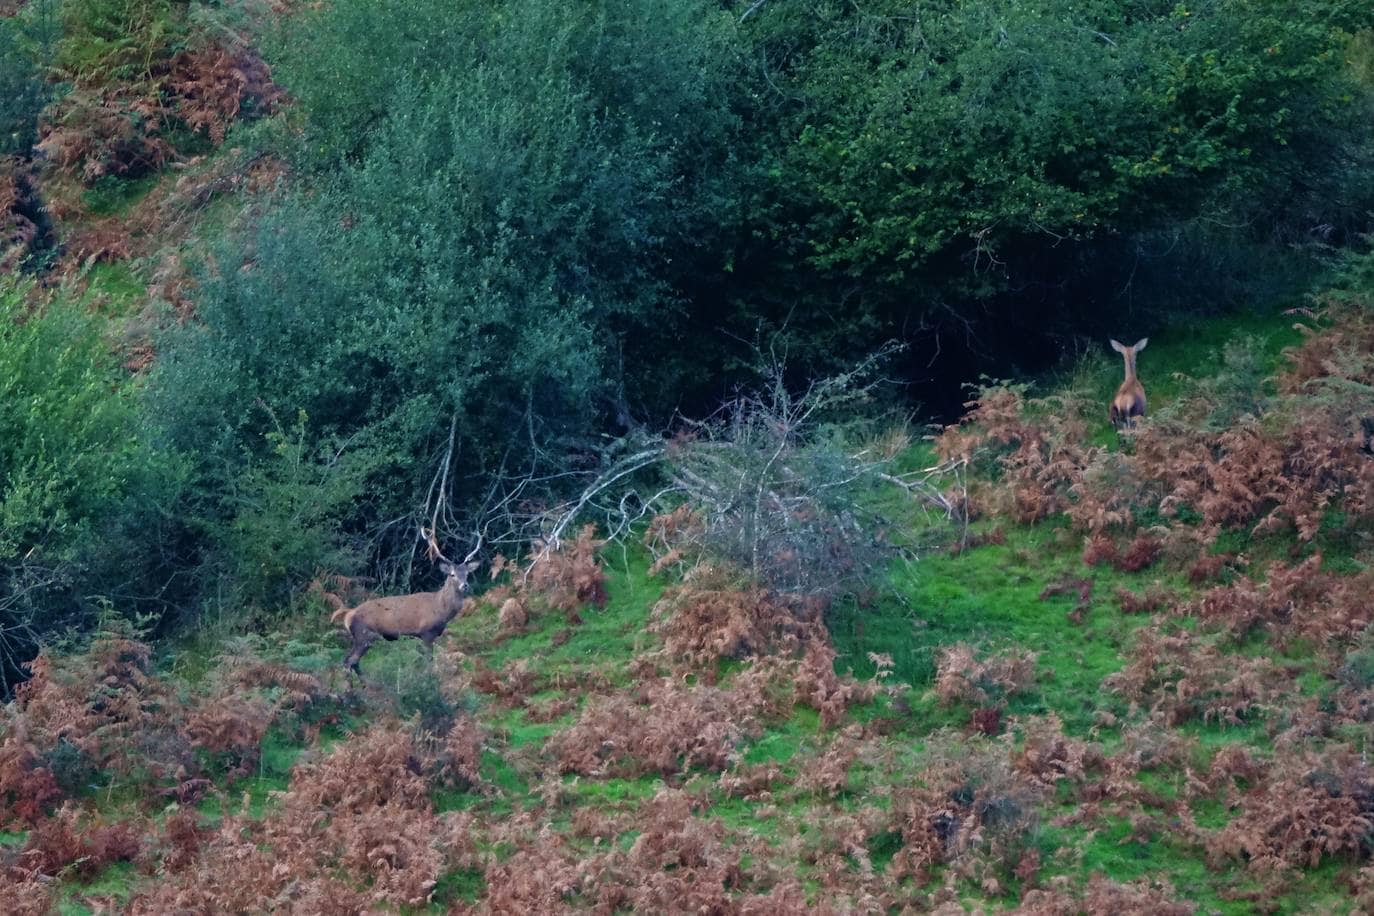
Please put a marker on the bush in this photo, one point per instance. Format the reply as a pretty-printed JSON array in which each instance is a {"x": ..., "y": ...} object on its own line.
[
  {"x": 284, "y": 505},
  {"x": 596, "y": 142},
  {"x": 70, "y": 460},
  {"x": 1127, "y": 115},
  {"x": 782, "y": 490}
]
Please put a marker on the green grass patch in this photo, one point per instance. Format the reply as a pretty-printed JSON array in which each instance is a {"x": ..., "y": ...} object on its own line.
[
  {"x": 462, "y": 885},
  {"x": 112, "y": 195},
  {"x": 117, "y": 881}
]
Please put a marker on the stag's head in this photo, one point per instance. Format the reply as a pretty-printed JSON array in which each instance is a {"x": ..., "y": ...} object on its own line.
[{"x": 456, "y": 574}]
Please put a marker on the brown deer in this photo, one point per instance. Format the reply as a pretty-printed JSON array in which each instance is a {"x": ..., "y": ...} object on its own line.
[
  {"x": 423, "y": 614},
  {"x": 1129, "y": 401}
]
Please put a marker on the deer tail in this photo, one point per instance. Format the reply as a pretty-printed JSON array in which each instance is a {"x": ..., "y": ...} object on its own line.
[{"x": 344, "y": 612}]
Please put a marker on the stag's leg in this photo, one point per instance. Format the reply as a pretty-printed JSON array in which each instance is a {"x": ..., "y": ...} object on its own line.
[
  {"x": 428, "y": 637},
  {"x": 362, "y": 641}
]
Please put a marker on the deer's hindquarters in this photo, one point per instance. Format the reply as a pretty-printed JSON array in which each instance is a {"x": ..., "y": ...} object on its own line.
[
  {"x": 1128, "y": 403},
  {"x": 362, "y": 636}
]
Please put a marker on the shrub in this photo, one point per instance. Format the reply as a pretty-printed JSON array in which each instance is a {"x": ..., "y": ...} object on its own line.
[
  {"x": 603, "y": 138},
  {"x": 382, "y": 378},
  {"x": 380, "y": 831},
  {"x": 664, "y": 729},
  {"x": 1122, "y": 148},
  {"x": 570, "y": 577},
  {"x": 1306, "y": 810},
  {"x": 969, "y": 810},
  {"x": 553, "y": 222},
  {"x": 1037, "y": 446},
  {"x": 1102, "y": 895},
  {"x": 63, "y": 840},
  {"x": 779, "y": 489},
  {"x": 960, "y": 677},
  {"x": 71, "y": 463},
  {"x": 216, "y": 85},
  {"x": 283, "y": 510},
  {"x": 703, "y": 621},
  {"x": 105, "y": 701},
  {"x": 98, "y": 133},
  {"x": 1142, "y": 553},
  {"x": 66, "y": 426},
  {"x": 1183, "y": 677},
  {"x": 1283, "y": 463},
  {"x": 90, "y": 715},
  {"x": 1153, "y": 600}
]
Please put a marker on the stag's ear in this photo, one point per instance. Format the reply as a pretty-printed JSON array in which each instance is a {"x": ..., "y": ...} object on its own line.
[
  {"x": 1118, "y": 347},
  {"x": 1140, "y": 344},
  {"x": 469, "y": 568}
]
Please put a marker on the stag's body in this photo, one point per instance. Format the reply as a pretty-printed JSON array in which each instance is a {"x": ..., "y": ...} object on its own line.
[
  {"x": 423, "y": 614},
  {"x": 1129, "y": 401}
]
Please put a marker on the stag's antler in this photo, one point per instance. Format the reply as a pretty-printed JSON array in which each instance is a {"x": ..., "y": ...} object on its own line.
[
  {"x": 481, "y": 535},
  {"x": 432, "y": 550}
]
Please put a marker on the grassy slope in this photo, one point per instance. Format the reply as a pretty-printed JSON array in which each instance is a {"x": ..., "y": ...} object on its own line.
[{"x": 988, "y": 597}]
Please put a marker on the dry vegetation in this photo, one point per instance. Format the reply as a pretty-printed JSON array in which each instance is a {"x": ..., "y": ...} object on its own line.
[{"x": 1274, "y": 470}]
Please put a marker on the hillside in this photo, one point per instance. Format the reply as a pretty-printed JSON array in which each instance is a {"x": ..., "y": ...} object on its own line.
[
  {"x": 754, "y": 356},
  {"x": 1092, "y": 702}
]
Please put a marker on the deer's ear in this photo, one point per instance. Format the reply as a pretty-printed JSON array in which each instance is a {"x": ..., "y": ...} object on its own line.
[
  {"x": 1118, "y": 346},
  {"x": 1140, "y": 344},
  {"x": 469, "y": 568}
]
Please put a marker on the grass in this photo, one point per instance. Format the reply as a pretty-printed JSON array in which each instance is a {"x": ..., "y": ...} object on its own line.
[
  {"x": 1176, "y": 358},
  {"x": 112, "y": 195},
  {"x": 988, "y": 596},
  {"x": 116, "y": 883}
]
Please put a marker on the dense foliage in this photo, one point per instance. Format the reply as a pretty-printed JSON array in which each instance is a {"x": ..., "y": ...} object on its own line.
[
  {"x": 463, "y": 276},
  {"x": 25, "y": 44},
  {"x": 983, "y": 168}
]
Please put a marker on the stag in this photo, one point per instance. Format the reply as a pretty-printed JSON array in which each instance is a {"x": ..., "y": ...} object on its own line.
[
  {"x": 1129, "y": 401},
  {"x": 423, "y": 614}
]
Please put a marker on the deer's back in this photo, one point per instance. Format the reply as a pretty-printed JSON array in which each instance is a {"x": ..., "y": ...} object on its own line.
[{"x": 399, "y": 615}]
